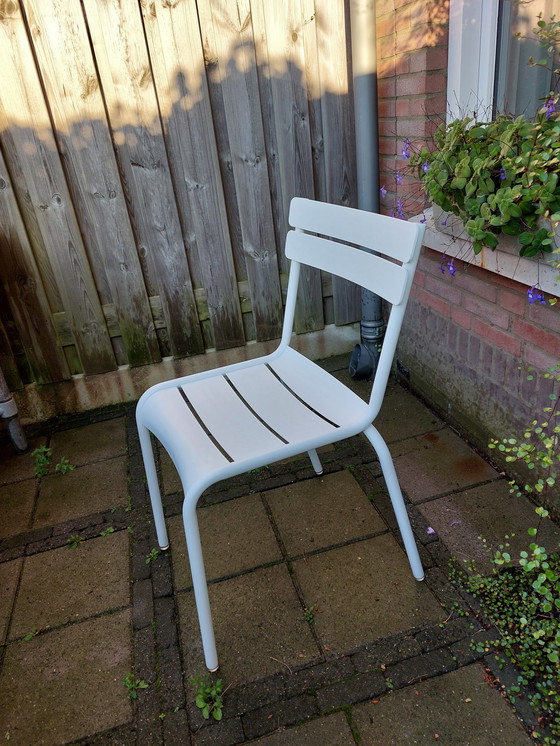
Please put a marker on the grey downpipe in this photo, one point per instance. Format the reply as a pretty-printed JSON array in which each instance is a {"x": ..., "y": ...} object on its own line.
[
  {"x": 9, "y": 412},
  {"x": 365, "y": 356}
]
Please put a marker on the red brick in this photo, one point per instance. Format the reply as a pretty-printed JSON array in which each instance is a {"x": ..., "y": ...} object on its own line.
[
  {"x": 419, "y": 83},
  {"x": 387, "y": 88},
  {"x": 419, "y": 278},
  {"x": 387, "y": 146},
  {"x": 432, "y": 301},
  {"x": 539, "y": 337},
  {"x": 382, "y": 7},
  {"x": 421, "y": 128},
  {"x": 476, "y": 281},
  {"x": 386, "y": 108},
  {"x": 433, "y": 13},
  {"x": 434, "y": 106},
  {"x": 442, "y": 285},
  {"x": 386, "y": 47},
  {"x": 546, "y": 316},
  {"x": 461, "y": 318},
  {"x": 385, "y": 26},
  {"x": 491, "y": 312},
  {"x": 512, "y": 302},
  {"x": 402, "y": 22},
  {"x": 536, "y": 357},
  {"x": 428, "y": 58},
  {"x": 403, "y": 107},
  {"x": 501, "y": 339}
]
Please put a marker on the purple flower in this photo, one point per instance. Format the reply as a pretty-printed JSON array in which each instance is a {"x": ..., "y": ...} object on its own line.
[
  {"x": 425, "y": 167},
  {"x": 550, "y": 106},
  {"x": 430, "y": 531},
  {"x": 534, "y": 296},
  {"x": 400, "y": 211},
  {"x": 444, "y": 222},
  {"x": 423, "y": 220},
  {"x": 451, "y": 268},
  {"x": 406, "y": 149},
  {"x": 448, "y": 266},
  {"x": 503, "y": 174},
  {"x": 398, "y": 177},
  {"x": 383, "y": 192}
]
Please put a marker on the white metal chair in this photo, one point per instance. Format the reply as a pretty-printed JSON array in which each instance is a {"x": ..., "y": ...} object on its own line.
[{"x": 226, "y": 421}]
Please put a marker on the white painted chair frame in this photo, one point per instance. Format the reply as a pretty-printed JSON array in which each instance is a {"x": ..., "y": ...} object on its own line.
[{"x": 223, "y": 422}]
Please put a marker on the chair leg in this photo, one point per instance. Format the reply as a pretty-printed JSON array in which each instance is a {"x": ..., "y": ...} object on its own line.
[
  {"x": 315, "y": 462},
  {"x": 194, "y": 549},
  {"x": 390, "y": 475},
  {"x": 153, "y": 485}
]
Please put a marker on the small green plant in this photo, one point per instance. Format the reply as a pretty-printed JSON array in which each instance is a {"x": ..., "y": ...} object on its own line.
[
  {"x": 64, "y": 466},
  {"x": 108, "y": 531},
  {"x": 74, "y": 541},
  {"x": 151, "y": 556},
  {"x": 208, "y": 696},
  {"x": 132, "y": 684},
  {"x": 31, "y": 635},
  {"x": 309, "y": 614},
  {"x": 42, "y": 457}
]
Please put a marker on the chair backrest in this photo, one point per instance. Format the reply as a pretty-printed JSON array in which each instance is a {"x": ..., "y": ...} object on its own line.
[{"x": 332, "y": 238}]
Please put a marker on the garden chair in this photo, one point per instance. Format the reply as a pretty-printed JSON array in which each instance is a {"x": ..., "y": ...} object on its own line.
[{"x": 223, "y": 422}]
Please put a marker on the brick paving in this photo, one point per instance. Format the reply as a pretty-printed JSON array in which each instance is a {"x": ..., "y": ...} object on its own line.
[{"x": 378, "y": 658}]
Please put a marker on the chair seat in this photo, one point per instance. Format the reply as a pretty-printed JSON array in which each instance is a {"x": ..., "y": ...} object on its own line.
[{"x": 229, "y": 420}]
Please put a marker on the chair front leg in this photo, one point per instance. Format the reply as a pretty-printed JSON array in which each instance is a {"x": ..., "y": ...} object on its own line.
[
  {"x": 392, "y": 482},
  {"x": 153, "y": 485},
  {"x": 194, "y": 549},
  {"x": 315, "y": 462}
]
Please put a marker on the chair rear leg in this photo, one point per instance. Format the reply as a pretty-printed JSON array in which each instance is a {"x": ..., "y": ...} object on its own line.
[
  {"x": 153, "y": 485},
  {"x": 194, "y": 549},
  {"x": 390, "y": 475},
  {"x": 315, "y": 462}
]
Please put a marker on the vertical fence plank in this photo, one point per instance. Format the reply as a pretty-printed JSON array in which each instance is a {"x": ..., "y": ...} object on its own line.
[
  {"x": 7, "y": 362},
  {"x": 125, "y": 75},
  {"x": 338, "y": 133},
  {"x": 39, "y": 181},
  {"x": 24, "y": 290},
  {"x": 179, "y": 75},
  {"x": 280, "y": 27},
  {"x": 76, "y": 105},
  {"x": 226, "y": 26}
]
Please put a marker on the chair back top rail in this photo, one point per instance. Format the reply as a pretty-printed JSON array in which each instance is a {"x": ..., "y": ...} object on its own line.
[{"x": 386, "y": 235}]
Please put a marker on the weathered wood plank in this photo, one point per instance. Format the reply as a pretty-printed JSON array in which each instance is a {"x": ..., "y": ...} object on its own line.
[
  {"x": 76, "y": 105},
  {"x": 39, "y": 182},
  {"x": 228, "y": 37},
  {"x": 7, "y": 362},
  {"x": 178, "y": 66},
  {"x": 338, "y": 133},
  {"x": 24, "y": 290},
  {"x": 278, "y": 29},
  {"x": 125, "y": 74}
]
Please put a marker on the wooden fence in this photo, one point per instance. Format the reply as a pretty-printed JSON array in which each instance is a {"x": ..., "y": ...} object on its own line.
[{"x": 149, "y": 150}]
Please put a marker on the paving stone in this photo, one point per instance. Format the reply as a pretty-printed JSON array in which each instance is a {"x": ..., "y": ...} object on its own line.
[
  {"x": 14, "y": 466},
  {"x": 225, "y": 733},
  {"x": 176, "y": 729},
  {"x": 491, "y": 512},
  {"x": 172, "y": 692},
  {"x": 65, "y": 585},
  {"x": 259, "y": 627},
  {"x": 446, "y": 633},
  {"x": 244, "y": 698},
  {"x": 330, "y": 510},
  {"x": 142, "y": 604},
  {"x": 16, "y": 507},
  {"x": 423, "y": 666},
  {"x": 385, "y": 653},
  {"x": 331, "y": 730},
  {"x": 166, "y": 625},
  {"x": 169, "y": 477},
  {"x": 438, "y": 462},
  {"x": 460, "y": 708},
  {"x": 282, "y": 714},
  {"x": 75, "y": 689},
  {"x": 64, "y": 497},
  {"x": 364, "y": 591},
  {"x": 145, "y": 664},
  {"x": 309, "y": 679},
  {"x": 89, "y": 443},
  {"x": 402, "y": 415},
  {"x": 9, "y": 576},
  {"x": 357, "y": 689},
  {"x": 236, "y": 536}
]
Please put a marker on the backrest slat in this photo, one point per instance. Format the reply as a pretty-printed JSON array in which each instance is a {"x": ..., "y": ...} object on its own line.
[
  {"x": 381, "y": 276},
  {"x": 380, "y": 233}
]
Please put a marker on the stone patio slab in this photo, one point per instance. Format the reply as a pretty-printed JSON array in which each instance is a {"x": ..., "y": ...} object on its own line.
[
  {"x": 491, "y": 512},
  {"x": 331, "y": 730},
  {"x": 259, "y": 626},
  {"x": 438, "y": 462},
  {"x": 456, "y": 708},
  {"x": 89, "y": 489},
  {"x": 16, "y": 507},
  {"x": 9, "y": 576},
  {"x": 75, "y": 688},
  {"x": 95, "y": 442},
  {"x": 364, "y": 591},
  {"x": 65, "y": 585},
  {"x": 236, "y": 536},
  {"x": 320, "y": 512},
  {"x": 16, "y": 466}
]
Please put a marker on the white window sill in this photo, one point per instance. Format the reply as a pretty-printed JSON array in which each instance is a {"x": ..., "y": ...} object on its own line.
[{"x": 504, "y": 260}]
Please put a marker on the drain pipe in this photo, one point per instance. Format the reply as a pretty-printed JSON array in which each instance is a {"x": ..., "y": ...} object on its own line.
[
  {"x": 9, "y": 412},
  {"x": 365, "y": 356}
]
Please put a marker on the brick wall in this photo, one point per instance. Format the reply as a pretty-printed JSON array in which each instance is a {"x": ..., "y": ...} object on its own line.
[{"x": 465, "y": 337}]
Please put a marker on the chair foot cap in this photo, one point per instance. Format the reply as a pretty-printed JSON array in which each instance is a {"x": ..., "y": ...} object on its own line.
[
  {"x": 164, "y": 549},
  {"x": 319, "y": 473},
  {"x": 213, "y": 670},
  {"x": 421, "y": 579}
]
